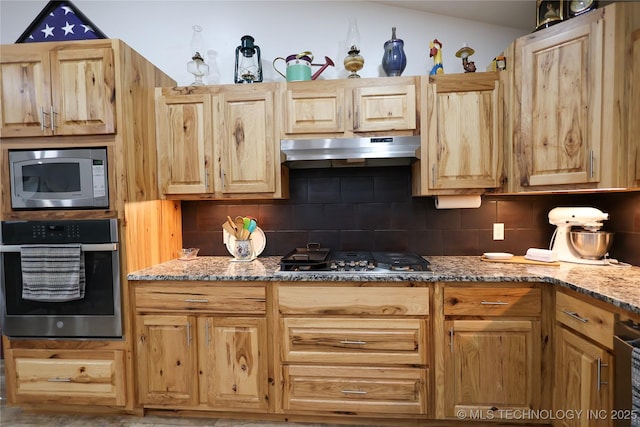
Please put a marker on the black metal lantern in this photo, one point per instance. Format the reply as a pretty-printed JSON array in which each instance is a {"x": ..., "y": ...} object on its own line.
[{"x": 248, "y": 64}]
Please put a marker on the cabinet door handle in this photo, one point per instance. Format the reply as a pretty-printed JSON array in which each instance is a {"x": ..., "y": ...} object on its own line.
[
  {"x": 575, "y": 315},
  {"x": 43, "y": 114},
  {"x": 188, "y": 333},
  {"x": 600, "y": 366},
  {"x": 196, "y": 300},
  {"x": 494, "y": 303},
  {"x": 354, "y": 392},
  {"x": 358, "y": 342},
  {"x": 206, "y": 179},
  {"x": 206, "y": 332},
  {"x": 53, "y": 119},
  {"x": 591, "y": 164},
  {"x": 451, "y": 340},
  {"x": 433, "y": 176},
  {"x": 59, "y": 380}
]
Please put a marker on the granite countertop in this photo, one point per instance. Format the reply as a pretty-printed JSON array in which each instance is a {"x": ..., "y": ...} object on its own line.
[{"x": 616, "y": 285}]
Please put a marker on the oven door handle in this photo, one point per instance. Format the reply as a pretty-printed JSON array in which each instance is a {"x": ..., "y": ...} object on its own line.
[{"x": 88, "y": 247}]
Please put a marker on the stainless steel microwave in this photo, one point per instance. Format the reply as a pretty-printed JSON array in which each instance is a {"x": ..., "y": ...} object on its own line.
[{"x": 74, "y": 178}]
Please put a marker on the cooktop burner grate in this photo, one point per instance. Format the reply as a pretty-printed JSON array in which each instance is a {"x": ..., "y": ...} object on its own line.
[{"x": 361, "y": 262}]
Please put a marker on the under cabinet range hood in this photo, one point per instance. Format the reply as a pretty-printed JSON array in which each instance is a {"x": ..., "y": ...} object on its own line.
[{"x": 345, "y": 152}]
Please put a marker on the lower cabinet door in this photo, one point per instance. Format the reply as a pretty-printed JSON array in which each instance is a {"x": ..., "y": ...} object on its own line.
[
  {"x": 583, "y": 381},
  {"x": 77, "y": 377},
  {"x": 166, "y": 360},
  {"x": 234, "y": 362},
  {"x": 355, "y": 390},
  {"x": 492, "y": 365}
]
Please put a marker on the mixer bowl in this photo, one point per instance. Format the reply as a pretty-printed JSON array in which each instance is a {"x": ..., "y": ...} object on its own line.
[{"x": 591, "y": 244}]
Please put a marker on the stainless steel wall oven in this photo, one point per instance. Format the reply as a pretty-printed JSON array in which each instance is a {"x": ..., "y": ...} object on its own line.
[{"x": 94, "y": 314}]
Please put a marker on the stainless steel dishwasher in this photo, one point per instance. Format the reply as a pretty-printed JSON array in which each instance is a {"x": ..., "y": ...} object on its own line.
[{"x": 627, "y": 337}]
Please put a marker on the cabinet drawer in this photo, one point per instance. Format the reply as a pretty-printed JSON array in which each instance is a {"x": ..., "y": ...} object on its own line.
[
  {"x": 355, "y": 389},
  {"x": 354, "y": 301},
  {"x": 71, "y": 377},
  {"x": 463, "y": 301},
  {"x": 245, "y": 300},
  {"x": 360, "y": 341},
  {"x": 589, "y": 320}
]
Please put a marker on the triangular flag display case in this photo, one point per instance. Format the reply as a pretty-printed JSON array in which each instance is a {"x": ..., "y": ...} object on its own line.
[{"x": 60, "y": 21}]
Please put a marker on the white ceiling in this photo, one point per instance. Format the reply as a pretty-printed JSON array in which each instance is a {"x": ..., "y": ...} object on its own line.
[{"x": 519, "y": 14}]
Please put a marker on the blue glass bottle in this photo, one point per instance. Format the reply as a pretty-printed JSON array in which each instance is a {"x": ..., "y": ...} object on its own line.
[{"x": 394, "y": 60}]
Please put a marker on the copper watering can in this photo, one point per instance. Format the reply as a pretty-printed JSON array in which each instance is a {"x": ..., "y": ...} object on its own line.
[{"x": 299, "y": 67}]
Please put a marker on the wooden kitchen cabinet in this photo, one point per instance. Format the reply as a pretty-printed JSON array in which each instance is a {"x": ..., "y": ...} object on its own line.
[
  {"x": 634, "y": 112},
  {"x": 202, "y": 347},
  {"x": 570, "y": 102},
  {"x": 345, "y": 108},
  {"x": 247, "y": 152},
  {"x": 102, "y": 92},
  {"x": 219, "y": 142},
  {"x": 67, "y": 377},
  {"x": 462, "y": 142},
  {"x": 185, "y": 143},
  {"x": 166, "y": 363},
  {"x": 584, "y": 374},
  {"x": 354, "y": 350},
  {"x": 65, "y": 88},
  {"x": 492, "y": 357},
  {"x": 233, "y": 359}
]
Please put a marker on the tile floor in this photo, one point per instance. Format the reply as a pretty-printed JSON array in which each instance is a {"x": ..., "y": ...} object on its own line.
[{"x": 15, "y": 417}]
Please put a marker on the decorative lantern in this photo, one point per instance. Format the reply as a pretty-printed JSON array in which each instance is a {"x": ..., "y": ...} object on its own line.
[{"x": 248, "y": 64}]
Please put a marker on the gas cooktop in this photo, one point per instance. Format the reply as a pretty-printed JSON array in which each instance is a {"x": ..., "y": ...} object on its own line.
[{"x": 355, "y": 262}]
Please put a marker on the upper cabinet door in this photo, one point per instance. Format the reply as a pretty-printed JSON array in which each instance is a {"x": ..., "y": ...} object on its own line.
[
  {"x": 248, "y": 157},
  {"x": 314, "y": 108},
  {"x": 83, "y": 91},
  {"x": 561, "y": 84},
  {"x": 25, "y": 100},
  {"x": 384, "y": 108},
  {"x": 185, "y": 143},
  {"x": 56, "y": 90},
  {"x": 463, "y": 132}
]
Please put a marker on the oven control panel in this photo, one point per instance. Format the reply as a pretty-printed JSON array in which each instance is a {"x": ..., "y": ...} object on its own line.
[{"x": 60, "y": 231}]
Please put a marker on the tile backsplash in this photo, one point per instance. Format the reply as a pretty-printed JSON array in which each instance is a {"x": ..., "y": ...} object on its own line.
[{"x": 372, "y": 209}]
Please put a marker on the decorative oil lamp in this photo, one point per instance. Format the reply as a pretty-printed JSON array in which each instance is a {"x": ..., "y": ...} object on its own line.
[
  {"x": 248, "y": 64},
  {"x": 197, "y": 66},
  {"x": 354, "y": 61}
]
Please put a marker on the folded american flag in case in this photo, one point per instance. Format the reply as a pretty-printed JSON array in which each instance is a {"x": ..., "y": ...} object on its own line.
[{"x": 60, "y": 21}]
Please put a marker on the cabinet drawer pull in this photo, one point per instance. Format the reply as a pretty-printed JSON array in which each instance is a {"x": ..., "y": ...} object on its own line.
[
  {"x": 575, "y": 315},
  {"x": 494, "y": 303},
  {"x": 600, "y": 366},
  {"x": 196, "y": 300},
  {"x": 354, "y": 392},
  {"x": 358, "y": 342},
  {"x": 59, "y": 380}
]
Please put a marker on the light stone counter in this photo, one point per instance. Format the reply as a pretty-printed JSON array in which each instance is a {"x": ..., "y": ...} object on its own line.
[{"x": 619, "y": 286}]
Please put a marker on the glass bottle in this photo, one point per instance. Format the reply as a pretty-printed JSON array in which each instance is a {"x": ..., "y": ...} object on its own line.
[{"x": 394, "y": 60}]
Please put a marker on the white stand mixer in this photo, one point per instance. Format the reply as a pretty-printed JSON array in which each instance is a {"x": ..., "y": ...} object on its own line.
[{"x": 565, "y": 218}]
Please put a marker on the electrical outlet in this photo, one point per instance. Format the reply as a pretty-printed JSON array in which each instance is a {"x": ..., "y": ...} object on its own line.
[{"x": 498, "y": 231}]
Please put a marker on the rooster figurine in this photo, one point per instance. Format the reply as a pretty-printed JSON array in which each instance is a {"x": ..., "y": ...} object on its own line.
[{"x": 435, "y": 52}]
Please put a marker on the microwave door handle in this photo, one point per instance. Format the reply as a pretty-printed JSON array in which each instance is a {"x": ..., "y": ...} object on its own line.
[{"x": 90, "y": 247}]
